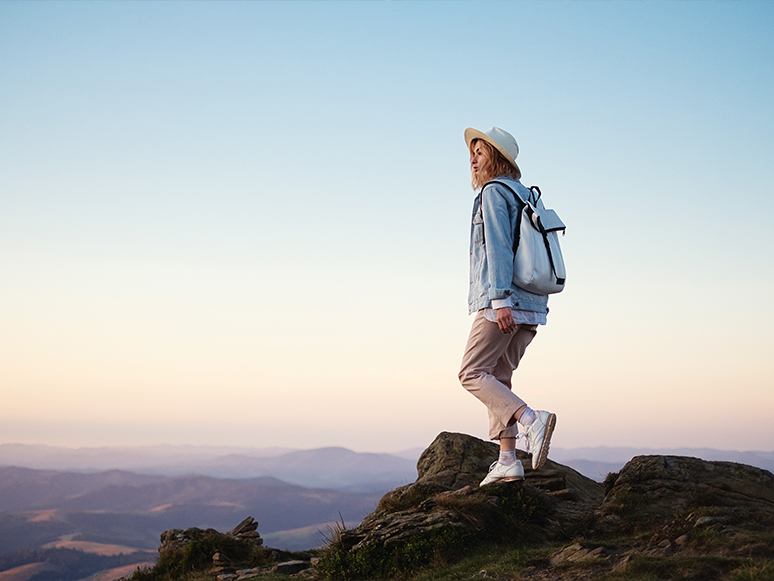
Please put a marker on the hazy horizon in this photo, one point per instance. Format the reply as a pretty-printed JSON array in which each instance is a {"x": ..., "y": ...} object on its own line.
[
  {"x": 331, "y": 467},
  {"x": 277, "y": 451},
  {"x": 247, "y": 223}
]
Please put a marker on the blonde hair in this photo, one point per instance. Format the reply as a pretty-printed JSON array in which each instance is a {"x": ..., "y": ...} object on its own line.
[{"x": 497, "y": 165}]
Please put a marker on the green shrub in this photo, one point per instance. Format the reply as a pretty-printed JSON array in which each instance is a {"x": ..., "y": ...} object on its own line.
[{"x": 436, "y": 548}]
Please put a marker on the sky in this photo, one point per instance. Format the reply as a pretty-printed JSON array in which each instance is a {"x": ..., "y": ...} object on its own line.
[{"x": 246, "y": 223}]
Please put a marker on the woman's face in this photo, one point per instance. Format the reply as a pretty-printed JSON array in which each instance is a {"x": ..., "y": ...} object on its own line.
[{"x": 479, "y": 158}]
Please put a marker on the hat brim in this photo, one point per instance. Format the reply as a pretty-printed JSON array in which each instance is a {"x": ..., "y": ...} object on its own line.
[{"x": 473, "y": 134}]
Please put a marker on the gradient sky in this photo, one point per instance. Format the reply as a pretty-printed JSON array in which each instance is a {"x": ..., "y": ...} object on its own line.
[{"x": 246, "y": 223}]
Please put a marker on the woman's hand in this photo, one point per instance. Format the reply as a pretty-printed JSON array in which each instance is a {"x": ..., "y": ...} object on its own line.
[{"x": 505, "y": 320}]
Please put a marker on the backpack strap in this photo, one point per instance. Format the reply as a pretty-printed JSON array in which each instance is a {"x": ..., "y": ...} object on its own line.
[
  {"x": 528, "y": 202},
  {"x": 531, "y": 201}
]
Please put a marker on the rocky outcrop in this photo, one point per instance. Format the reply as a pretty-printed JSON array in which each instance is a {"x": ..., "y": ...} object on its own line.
[
  {"x": 237, "y": 555},
  {"x": 454, "y": 461},
  {"x": 656, "y": 509},
  {"x": 247, "y": 529},
  {"x": 175, "y": 542},
  {"x": 661, "y": 488},
  {"x": 659, "y": 511},
  {"x": 662, "y": 508},
  {"x": 677, "y": 481},
  {"x": 446, "y": 497}
]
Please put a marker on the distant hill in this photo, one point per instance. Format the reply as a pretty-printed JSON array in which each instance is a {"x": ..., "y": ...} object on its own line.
[
  {"x": 337, "y": 468},
  {"x": 334, "y": 467},
  {"x": 38, "y": 508}
]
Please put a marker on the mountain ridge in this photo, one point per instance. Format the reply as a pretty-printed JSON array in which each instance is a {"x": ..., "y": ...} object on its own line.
[
  {"x": 334, "y": 466},
  {"x": 330, "y": 467}
]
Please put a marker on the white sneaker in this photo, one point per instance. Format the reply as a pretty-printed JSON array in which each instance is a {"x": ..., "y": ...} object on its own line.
[
  {"x": 539, "y": 437},
  {"x": 504, "y": 473}
]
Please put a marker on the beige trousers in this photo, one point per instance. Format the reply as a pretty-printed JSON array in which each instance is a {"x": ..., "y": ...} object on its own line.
[{"x": 487, "y": 367}]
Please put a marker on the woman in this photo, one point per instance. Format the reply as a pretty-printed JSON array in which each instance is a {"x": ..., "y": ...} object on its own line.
[{"x": 506, "y": 316}]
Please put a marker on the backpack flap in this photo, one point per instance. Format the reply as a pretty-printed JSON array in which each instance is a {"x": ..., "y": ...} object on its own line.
[{"x": 549, "y": 220}]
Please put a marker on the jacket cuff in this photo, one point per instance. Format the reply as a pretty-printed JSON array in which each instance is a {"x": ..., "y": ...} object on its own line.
[{"x": 501, "y": 303}]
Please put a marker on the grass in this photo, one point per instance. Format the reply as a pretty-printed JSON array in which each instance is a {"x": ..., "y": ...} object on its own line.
[
  {"x": 753, "y": 571},
  {"x": 499, "y": 561},
  {"x": 693, "y": 568},
  {"x": 203, "y": 576},
  {"x": 683, "y": 568},
  {"x": 332, "y": 538},
  {"x": 434, "y": 549},
  {"x": 449, "y": 558},
  {"x": 490, "y": 560}
]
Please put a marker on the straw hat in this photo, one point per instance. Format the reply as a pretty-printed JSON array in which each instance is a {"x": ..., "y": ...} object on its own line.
[{"x": 501, "y": 140}]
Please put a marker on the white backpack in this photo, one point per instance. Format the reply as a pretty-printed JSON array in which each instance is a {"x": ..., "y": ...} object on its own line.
[{"x": 538, "y": 265}]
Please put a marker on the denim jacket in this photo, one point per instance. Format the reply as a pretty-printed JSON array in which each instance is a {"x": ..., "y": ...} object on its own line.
[{"x": 496, "y": 214}]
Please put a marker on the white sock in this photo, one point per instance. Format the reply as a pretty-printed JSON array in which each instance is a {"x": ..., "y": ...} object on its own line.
[
  {"x": 527, "y": 418},
  {"x": 507, "y": 457}
]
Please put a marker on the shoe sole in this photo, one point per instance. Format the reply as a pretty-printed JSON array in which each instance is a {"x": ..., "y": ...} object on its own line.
[
  {"x": 550, "y": 425},
  {"x": 511, "y": 479}
]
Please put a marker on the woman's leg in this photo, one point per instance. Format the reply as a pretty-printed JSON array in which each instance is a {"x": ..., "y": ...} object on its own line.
[
  {"x": 487, "y": 367},
  {"x": 489, "y": 360},
  {"x": 503, "y": 371}
]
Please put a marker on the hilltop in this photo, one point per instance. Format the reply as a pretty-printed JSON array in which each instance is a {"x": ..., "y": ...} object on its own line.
[{"x": 660, "y": 517}]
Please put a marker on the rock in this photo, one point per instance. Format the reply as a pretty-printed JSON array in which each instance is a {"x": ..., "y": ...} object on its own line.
[
  {"x": 575, "y": 553},
  {"x": 578, "y": 556},
  {"x": 704, "y": 521},
  {"x": 563, "y": 554},
  {"x": 456, "y": 460},
  {"x": 681, "y": 540},
  {"x": 661, "y": 487},
  {"x": 738, "y": 483},
  {"x": 247, "y": 525},
  {"x": 290, "y": 567},
  {"x": 446, "y": 496},
  {"x": 621, "y": 566},
  {"x": 174, "y": 542},
  {"x": 245, "y": 574}
]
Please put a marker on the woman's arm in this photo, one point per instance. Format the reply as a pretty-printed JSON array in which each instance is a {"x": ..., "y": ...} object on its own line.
[{"x": 498, "y": 236}]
